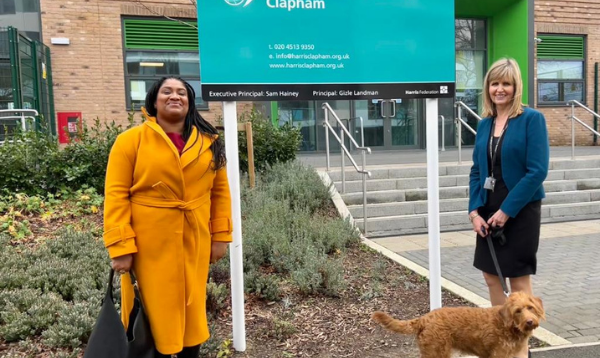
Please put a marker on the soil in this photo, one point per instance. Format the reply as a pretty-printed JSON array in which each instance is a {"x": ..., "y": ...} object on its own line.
[{"x": 326, "y": 327}]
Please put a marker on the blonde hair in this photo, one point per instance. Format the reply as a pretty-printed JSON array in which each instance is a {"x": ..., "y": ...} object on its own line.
[{"x": 503, "y": 69}]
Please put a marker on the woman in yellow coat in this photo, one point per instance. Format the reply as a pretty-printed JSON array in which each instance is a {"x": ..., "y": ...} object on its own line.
[{"x": 167, "y": 215}]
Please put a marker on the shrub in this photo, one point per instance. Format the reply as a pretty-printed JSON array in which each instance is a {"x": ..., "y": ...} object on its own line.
[
  {"x": 25, "y": 313},
  {"x": 34, "y": 163},
  {"x": 264, "y": 286},
  {"x": 301, "y": 186},
  {"x": 216, "y": 297},
  {"x": 281, "y": 329},
  {"x": 283, "y": 234},
  {"x": 53, "y": 290},
  {"x": 271, "y": 144},
  {"x": 73, "y": 325}
]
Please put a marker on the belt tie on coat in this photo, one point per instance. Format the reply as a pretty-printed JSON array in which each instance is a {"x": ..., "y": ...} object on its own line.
[{"x": 170, "y": 201}]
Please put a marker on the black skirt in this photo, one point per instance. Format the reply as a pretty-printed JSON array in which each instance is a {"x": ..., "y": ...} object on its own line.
[{"x": 517, "y": 256}]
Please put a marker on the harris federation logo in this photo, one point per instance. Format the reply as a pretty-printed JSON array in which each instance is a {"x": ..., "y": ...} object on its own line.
[{"x": 238, "y": 2}]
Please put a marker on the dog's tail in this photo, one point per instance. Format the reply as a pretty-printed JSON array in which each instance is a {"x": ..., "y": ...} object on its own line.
[{"x": 396, "y": 325}]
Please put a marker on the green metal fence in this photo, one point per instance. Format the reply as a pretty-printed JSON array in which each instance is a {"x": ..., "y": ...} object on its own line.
[{"x": 26, "y": 75}]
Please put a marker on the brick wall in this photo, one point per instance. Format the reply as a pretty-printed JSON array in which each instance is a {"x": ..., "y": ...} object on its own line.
[
  {"x": 580, "y": 17},
  {"x": 88, "y": 73}
]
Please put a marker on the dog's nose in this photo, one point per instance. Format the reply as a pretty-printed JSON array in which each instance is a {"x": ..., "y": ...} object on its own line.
[{"x": 529, "y": 322}]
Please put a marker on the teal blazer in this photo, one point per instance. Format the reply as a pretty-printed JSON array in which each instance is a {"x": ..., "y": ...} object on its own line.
[{"x": 525, "y": 160}]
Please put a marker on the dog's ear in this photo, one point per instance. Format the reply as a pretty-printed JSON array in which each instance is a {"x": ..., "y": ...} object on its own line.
[
  {"x": 539, "y": 307},
  {"x": 506, "y": 315}
]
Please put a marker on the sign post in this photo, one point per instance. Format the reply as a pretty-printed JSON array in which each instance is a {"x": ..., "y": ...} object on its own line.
[
  {"x": 235, "y": 250},
  {"x": 306, "y": 50},
  {"x": 433, "y": 204}
]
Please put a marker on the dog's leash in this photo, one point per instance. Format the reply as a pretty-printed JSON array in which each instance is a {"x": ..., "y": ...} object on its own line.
[{"x": 488, "y": 237}]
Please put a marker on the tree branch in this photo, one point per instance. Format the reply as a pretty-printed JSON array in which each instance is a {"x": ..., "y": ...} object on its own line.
[{"x": 140, "y": 3}]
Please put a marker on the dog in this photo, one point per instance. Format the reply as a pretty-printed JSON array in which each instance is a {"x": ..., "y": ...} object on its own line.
[{"x": 496, "y": 332}]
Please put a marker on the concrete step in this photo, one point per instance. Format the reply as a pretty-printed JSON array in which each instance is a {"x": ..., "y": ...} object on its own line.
[
  {"x": 387, "y": 196},
  {"x": 353, "y": 186},
  {"x": 406, "y": 208},
  {"x": 578, "y": 163},
  {"x": 420, "y": 170},
  {"x": 458, "y": 220},
  {"x": 397, "y": 172},
  {"x": 401, "y": 183},
  {"x": 455, "y": 192},
  {"x": 448, "y": 205}
]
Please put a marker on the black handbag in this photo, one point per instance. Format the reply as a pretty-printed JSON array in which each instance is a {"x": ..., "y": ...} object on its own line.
[{"x": 109, "y": 338}]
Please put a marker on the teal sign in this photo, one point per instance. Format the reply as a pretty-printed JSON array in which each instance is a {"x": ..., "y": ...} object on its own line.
[{"x": 272, "y": 50}]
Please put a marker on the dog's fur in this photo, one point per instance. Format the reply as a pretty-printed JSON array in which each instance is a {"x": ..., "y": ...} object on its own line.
[{"x": 496, "y": 332}]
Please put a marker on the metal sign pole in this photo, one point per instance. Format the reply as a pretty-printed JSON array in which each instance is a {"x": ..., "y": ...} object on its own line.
[
  {"x": 235, "y": 250},
  {"x": 433, "y": 205}
]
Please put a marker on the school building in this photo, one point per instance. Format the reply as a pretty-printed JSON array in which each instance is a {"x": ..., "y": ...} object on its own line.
[{"x": 96, "y": 59}]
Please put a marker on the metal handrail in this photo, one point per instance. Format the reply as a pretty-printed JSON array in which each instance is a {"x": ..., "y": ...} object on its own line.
[
  {"x": 24, "y": 114},
  {"x": 364, "y": 150},
  {"x": 574, "y": 103},
  {"x": 443, "y": 149},
  {"x": 461, "y": 122}
]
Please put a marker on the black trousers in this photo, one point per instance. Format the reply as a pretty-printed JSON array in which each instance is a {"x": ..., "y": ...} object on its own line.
[{"x": 187, "y": 352}]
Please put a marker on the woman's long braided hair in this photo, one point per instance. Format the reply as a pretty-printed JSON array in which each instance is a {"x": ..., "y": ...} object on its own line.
[{"x": 192, "y": 119}]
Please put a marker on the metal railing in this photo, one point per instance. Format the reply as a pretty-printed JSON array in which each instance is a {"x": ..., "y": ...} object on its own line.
[
  {"x": 574, "y": 103},
  {"x": 443, "y": 149},
  {"x": 344, "y": 151},
  {"x": 461, "y": 122},
  {"x": 16, "y": 116}
]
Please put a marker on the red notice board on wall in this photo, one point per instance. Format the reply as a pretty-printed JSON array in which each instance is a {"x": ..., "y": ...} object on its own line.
[{"x": 69, "y": 124}]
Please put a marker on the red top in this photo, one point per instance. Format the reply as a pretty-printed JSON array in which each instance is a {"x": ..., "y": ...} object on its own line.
[{"x": 177, "y": 139}]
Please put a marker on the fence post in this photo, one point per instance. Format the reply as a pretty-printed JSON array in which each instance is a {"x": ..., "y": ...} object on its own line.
[
  {"x": 49, "y": 83},
  {"x": 13, "y": 46},
  {"x": 250, "y": 144}
]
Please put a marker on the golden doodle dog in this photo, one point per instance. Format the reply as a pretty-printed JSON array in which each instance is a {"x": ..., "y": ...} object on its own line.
[{"x": 496, "y": 332}]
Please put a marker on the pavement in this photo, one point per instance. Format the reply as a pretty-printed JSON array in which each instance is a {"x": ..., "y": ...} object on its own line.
[{"x": 578, "y": 351}]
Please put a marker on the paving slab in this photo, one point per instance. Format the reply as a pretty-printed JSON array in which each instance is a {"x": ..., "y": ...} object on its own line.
[{"x": 585, "y": 351}]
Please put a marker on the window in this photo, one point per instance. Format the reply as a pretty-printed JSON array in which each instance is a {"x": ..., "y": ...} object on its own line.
[
  {"x": 30, "y": 5},
  {"x": 7, "y": 7},
  {"x": 471, "y": 60},
  {"x": 561, "y": 69},
  {"x": 157, "y": 48}
]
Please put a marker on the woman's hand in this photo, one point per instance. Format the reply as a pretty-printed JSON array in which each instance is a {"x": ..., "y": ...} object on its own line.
[
  {"x": 498, "y": 219},
  {"x": 480, "y": 226},
  {"x": 217, "y": 251},
  {"x": 122, "y": 264}
]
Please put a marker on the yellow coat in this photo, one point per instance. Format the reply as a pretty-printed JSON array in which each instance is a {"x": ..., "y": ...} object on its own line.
[{"x": 166, "y": 211}]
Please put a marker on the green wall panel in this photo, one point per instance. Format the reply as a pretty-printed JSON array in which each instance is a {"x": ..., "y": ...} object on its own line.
[
  {"x": 481, "y": 8},
  {"x": 509, "y": 37}
]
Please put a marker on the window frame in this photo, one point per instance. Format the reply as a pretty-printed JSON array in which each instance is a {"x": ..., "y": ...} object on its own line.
[
  {"x": 562, "y": 82},
  {"x": 203, "y": 106}
]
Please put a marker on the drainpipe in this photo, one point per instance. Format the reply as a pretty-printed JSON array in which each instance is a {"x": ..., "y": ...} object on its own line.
[{"x": 596, "y": 101}]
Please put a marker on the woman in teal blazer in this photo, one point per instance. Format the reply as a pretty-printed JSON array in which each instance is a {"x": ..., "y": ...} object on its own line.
[{"x": 510, "y": 163}]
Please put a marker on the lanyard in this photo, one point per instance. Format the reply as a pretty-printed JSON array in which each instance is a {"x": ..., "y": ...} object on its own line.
[{"x": 494, "y": 154}]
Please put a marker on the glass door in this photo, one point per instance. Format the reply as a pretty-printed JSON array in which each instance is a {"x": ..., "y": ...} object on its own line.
[
  {"x": 397, "y": 125},
  {"x": 370, "y": 111},
  {"x": 404, "y": 124}
]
